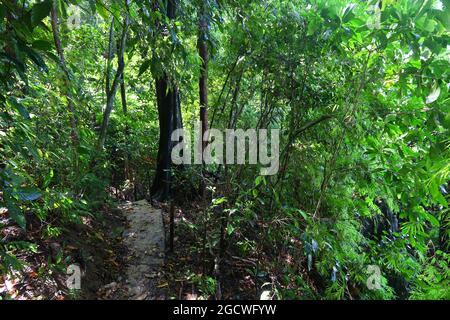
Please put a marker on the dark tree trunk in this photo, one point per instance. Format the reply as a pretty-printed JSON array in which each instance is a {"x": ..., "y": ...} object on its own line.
[
  {"x": 169, "y": 115},
  {"x": 123, "y": 96},
  {"x": 203, "y": 80}
]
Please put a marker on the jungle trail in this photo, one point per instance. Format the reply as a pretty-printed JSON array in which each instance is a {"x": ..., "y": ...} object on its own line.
[{"x": 224, "y": 149}]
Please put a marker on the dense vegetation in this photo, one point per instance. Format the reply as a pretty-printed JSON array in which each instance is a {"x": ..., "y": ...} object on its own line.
[{"x": 90, "y": 91}]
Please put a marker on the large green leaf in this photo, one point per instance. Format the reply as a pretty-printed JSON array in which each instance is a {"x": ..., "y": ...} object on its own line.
[
  {"x": 27, "y": 194},
  {"x": 16, "y": 214},
  {"x": 21, "y": 109},
  {"x": 144, "y": 66},
  {"x": 40, "y": 11}
]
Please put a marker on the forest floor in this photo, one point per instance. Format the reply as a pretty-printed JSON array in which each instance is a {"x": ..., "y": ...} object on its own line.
[
  {"x": 94, "y": 245},
  {"x": 122, "y": 255},
  {"x": 188, "y": 268},
  {"x": 149, "y": 270}
]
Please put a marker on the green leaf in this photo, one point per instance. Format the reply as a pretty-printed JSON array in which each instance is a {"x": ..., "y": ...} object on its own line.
[
  {"x": 434, "y": 222},
  {"x": 20, "y": 108},
  {"x": 16, "y": 214},
  {"x": 230, "y": 229},
  {"x": 218, "y": 201},
  {"x": 22, "y": 245},
  {"x": 27, "y": 194},
  {"x": 144, "y": 66},
  {"x": 347, "y": 12},
  {"x": 102, "y": 10},
  {"x": 48, "y": 178},
  {"x": 437, "y": 195},
  {"x": 10, "y": 261},
  {"x": 40, "y": 11},
  {"x": 23, "y": 112},
  {"x": 303, "y": 214},
  {"x": 32, "y": 150},
  {"x": 43, "y": 45},
  {"x": 260, "y": 179},
  {"x": 34, "y": 56},
  {"x": 2, "y": 12}
]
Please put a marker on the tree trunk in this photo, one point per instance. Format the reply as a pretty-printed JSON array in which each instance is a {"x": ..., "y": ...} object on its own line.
[
  {"x": 66, "y": 90},
  {"x": 203, "y": 80},
  {"x": 123, "y": 96},
  {"x": 169, "y": 116},
  {"x": 111, "y": 89}
]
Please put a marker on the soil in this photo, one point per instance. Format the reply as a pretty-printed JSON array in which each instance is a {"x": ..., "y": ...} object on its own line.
[{"x": 95, "y": 245}]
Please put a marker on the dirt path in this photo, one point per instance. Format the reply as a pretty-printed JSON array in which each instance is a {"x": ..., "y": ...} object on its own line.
[{"x": 144, "y": 241}]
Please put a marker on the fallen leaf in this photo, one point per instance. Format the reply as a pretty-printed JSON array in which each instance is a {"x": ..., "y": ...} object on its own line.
[
  {"x": 141, "y": 297},
  {"x": 32, "y": 274}
]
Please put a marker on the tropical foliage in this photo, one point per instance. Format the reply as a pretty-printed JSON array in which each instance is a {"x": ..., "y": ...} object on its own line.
[{"x": 359, "y": 90}]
